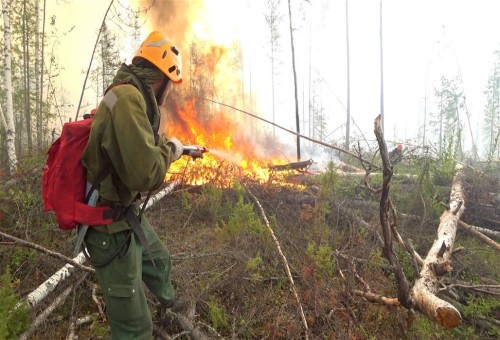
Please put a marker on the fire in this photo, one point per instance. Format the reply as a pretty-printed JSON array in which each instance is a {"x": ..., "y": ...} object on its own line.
[
  {"x": 216, "y": 49},
  {"x": 232, "y": 153}
]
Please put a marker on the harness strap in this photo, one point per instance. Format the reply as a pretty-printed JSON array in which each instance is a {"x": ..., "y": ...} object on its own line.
[{"x": 135, "y": 225}]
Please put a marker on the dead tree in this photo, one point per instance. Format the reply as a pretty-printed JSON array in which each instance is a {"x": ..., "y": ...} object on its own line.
[
  {"x": 403, "y": 286},
  {"x": 438, "y": 261}
]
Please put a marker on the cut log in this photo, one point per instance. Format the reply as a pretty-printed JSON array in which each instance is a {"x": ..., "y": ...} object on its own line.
[{"x": 438, "y": 262}]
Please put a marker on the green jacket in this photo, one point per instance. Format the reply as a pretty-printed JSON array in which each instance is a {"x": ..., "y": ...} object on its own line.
[{"x": 121, "y": 137}]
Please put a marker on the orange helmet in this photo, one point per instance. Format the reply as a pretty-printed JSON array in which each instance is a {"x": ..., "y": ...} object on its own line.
[{"x": 161, "y": 52}]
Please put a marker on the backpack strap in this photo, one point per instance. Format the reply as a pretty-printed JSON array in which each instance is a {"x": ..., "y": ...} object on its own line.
[{"x": 133, "y": 220}]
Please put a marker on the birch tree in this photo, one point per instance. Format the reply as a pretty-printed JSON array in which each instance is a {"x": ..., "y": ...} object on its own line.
[
  {"x": 11, "y": 130},
  {"x": 26, "y": 76}
]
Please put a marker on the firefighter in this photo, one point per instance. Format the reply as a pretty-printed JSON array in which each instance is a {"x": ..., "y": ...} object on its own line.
[
  {"x": 124, "y": 137},
  {"x": 396, "y": 155}
]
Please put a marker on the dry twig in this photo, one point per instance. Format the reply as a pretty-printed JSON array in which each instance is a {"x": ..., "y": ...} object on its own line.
[
  {"x": 285, "y": 262},
  {"x": 20, "y": 242}
]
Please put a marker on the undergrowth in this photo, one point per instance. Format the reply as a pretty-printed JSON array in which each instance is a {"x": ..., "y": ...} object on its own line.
[{"x": 226, "y": 261}]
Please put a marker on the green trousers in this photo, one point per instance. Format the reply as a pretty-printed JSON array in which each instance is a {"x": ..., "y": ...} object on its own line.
[{"x": 121, "y": 280}]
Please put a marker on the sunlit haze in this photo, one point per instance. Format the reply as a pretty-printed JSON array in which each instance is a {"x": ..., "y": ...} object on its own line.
[{"x": 422, "y": 41}]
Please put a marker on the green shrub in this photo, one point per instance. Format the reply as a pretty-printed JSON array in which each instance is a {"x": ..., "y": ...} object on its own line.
[
  {"x": 328, "y": 180},
  {"x": 244, "y": 219},
  {"x": 217, "y": 315},
  {"x": 254, "y": 266},
  {"x": 322, "y": 257},
  {"x": 14, "y": 315},
  {"x": 186, "y": 201}
]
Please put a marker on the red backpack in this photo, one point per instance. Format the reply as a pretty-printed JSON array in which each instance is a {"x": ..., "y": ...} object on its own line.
[{"x": 64, "y": 180}]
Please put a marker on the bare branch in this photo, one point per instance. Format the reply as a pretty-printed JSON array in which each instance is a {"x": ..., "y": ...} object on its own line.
[
  {"x": 285, "y": 262},
  {"x": 404, "y": 296},
  {"x": 372, "y": 297},
  {"x": 39, "y": 248}
]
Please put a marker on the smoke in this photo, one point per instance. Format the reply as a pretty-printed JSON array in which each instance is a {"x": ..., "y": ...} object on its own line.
[
  {"x": 174, "y": 18},
  {"x": 213, "y": 56}
]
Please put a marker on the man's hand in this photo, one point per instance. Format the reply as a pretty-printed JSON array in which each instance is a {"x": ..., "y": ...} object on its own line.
[
  {"x": 193, "y": 153},
  {"x": 176, "y": 146}
]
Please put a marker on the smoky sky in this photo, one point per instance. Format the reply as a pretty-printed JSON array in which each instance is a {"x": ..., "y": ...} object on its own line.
[{"x": 173, "y": 17}]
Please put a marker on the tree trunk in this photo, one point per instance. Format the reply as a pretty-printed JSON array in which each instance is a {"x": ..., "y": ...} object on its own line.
[
  {"x": 26, "y": 58},
  {"x": 40, "y": 99},
  {"x": 438, "y": 262},
  {"x": 382, "y": 115},
  {"x": 91, "y": 59},
  {"x": 402, "y": 283},
  {"x": 297, "y": 120},
  {"x": 348, "y": 109},
  {"x": 37, "y": 74},
  {"x": 11, "y": 130}
]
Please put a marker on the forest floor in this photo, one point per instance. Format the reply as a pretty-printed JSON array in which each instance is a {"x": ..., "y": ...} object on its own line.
[{"x": 233, "y": 273}]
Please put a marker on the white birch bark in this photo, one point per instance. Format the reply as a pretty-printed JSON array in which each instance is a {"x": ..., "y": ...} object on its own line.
[
  {"x": 2, "y": 118},
  {"x": 52, "y": 282},
  {"x": 489, "y": 232},
  {"x": 11, "y": 130},
  {"x": 438, "y": 262}
]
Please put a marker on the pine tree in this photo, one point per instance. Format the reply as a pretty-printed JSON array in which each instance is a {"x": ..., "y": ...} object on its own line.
[
  {"x": 446, "y": 122},
  {"x": 491, "y": 123},
  {"x": 273, "y": 20}
]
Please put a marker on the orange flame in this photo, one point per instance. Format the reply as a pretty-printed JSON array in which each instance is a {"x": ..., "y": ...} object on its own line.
[
  {"x": 213, "y": 48},
  {"x": 231, "y": 154}
]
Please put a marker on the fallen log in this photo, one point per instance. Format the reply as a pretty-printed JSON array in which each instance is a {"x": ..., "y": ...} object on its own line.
[
  {"x": 52, "y": 282},
  {"x": 354, "y": 216},
  {"x": 292, "y": 166},
  {"x": 44, "y": 315},
  {"x": 58, "y": 301},
  {"x": 438, "y": 262},
  {"x": 480, "y": 236},
  {"x": 485, "y": 231}
]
